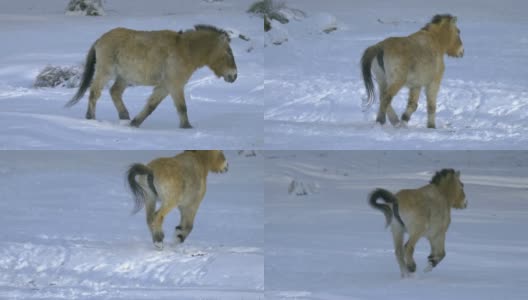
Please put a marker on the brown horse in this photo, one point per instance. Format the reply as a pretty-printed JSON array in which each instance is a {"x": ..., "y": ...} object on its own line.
[
  {"x": 164, "y": 59},
  {"x": 414, "y": 61},
  {"x": 178, "y": 181},
  {"x": 421, "y": 212}
]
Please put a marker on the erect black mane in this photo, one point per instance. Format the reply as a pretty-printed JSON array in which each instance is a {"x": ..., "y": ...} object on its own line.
[
  {"x": 211, "y": 28},
  {"x": 437, "y": 19},
  {"x": 438, "y": 176}
]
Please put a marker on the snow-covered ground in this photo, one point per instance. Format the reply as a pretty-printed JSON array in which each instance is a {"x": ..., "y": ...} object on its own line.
[
  {"x": 67, "y": 233},
  {"x": 314, "y": 91},
  {"x": 37, "y": 33},
  {"x": 329, "y": 244}
]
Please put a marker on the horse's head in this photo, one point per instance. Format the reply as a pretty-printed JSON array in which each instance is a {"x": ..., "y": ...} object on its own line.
[
  {"x": 459, "y": 196},
  {"x": 449, "y": 181},
  {"x": 447, "y": 29},
  {"x": 221, "y": 59},
  {"x": 218, "y": 162}
]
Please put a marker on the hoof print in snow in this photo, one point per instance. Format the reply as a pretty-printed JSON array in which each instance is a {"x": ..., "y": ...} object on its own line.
[
  {"x": 277, "y": 35},
  {"x": 323, "y": 22},
  {"x": 299, "y": 188}
]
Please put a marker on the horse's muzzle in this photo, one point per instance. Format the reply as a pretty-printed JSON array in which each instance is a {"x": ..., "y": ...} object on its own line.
[
  {"x": 460, "y": 53},
  {"x": 230, "y": 78}
]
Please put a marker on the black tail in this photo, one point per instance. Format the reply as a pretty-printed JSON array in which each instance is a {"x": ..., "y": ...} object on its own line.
[
  {"x": 388, "y": 197},
  {"x": 137, "y": 190},
  {"x": 366, "y": 64},
  {"x": 89, "y": 70}
]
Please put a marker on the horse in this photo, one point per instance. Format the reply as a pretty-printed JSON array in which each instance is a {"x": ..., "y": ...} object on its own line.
[
  {"x": 178, "y": 181},
  {"x": 414, "y": 61},
  {"x": 422, "y": 212},
  {"x": 164, "y": 59}
]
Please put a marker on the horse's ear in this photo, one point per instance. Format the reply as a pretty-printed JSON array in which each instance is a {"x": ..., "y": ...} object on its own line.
[
  {"x": 454, "y": 20},
  {"x": 457, "y": 173}
]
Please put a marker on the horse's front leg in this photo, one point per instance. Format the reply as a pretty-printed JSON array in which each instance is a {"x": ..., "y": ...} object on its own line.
[
  {"x": 437, "y": 251},
  {"x": 153, "y": 101},
  {"x": 179, "y": 101},
  {"x": 187, "y": 214},
  {"x": 431, "y": 93}
]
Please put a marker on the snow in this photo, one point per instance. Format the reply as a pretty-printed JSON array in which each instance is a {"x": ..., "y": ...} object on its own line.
[
  {"x": 226, "y": 116},
  {"x": 68, "y": 233},
  {"x": 314, "y": 90},
  {"x": 333, "y": 245}
]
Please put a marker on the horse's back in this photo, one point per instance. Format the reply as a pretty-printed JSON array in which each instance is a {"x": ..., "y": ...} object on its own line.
[
  {"x": 411, "y": 57},
  {"x": 137, "y": 56}
]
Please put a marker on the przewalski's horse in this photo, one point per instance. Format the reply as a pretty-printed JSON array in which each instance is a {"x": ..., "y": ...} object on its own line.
[
  {"x": 178, "y": 181},
  {"x": 164, "y": 59},
  {"x": 421, "y": 212},
  {"x": 414, "y": 61}
]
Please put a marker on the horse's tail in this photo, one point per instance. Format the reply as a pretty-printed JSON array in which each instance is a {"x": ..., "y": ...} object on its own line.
[
  {"x": 366, "y": 64},
  {"x": 388, "y": 197},
  {"x": 138, "y": 190},
  {"x": 89, "y": 70}
]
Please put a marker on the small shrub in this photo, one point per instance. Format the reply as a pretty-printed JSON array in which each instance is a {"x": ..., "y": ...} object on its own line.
[
  {"x": 270, "y": 9},
  {"x": 85, "y": 8},
  {"x": 57, "y": 76}
]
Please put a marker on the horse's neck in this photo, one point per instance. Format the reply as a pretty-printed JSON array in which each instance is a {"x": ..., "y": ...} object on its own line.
[
  {"x": 436, "y": 37},
  {"x": 199, "y": 48},
  {"x": 203, "y": 158},
  {"x": 446, "y": 192}
]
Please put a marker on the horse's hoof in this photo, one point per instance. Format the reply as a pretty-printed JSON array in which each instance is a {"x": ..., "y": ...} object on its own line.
[
  {"x": 158, "y": 245},
  {"x": 135, "y": 123},
  {"x": 186, "y": 126},
  {"x": 431, "y": 126},
  {"x": 381, "y": 120},
  {"x": 124, "y": 116},
  {"x": 411, "y": 267},
  {"x": 429, "y": 268},
  {"x": 403, "y": 124}
]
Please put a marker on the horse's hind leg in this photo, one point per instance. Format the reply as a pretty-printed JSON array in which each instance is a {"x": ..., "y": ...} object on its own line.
[
  {"x": 154, "y": 100},
  {"x": 414, "y": 235},
  {"x": 157, "y": 223},
  {"x": 116, "y": 92},
  {"x": 412, "y": 104},
  {"x": 393, "y": 117},
  {"x": 397, "y": 235},
  {"x": 437, "y": 251},
  {"x": 386, "y": 95},
  {"x": 187, "y": 214},
  {"x": 102, "y": 76}
]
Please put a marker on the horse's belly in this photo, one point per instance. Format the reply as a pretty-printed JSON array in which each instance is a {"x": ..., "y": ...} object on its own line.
[
  {"x": 418, "y": 79},
  {"x": 138, "y": 75}
]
